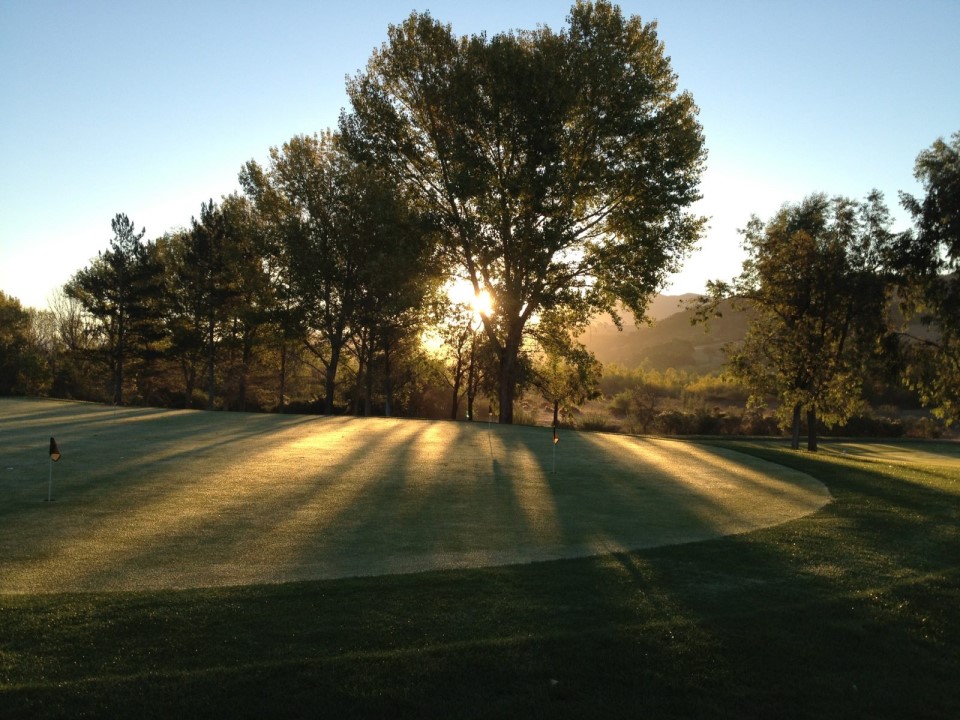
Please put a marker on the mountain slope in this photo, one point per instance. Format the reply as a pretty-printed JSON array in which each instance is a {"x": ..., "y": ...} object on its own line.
[{"x": 671, "y": 340}]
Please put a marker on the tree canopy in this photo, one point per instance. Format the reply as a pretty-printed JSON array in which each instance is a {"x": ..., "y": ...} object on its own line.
[
  {"x": 929, "y": 258},
  {"x": 816, "y": 283},
  {"x": 558, "y": 166},
  {"x": 119, "y": 289},
  {"x": 351, "y": 255}
]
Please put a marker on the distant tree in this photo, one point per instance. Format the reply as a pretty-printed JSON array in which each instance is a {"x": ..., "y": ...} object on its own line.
[
  {"x": 248, "y": 316},
  {"x": 817, "y": 285},
  {"x": 397, "y": 278},
  {"x": 457, "y": 331},
  {"x": 217, "y": 299},
  {"x": 120, "y": 289},
  {"x": 298, "y": 196},
  {"x": 929, "y": 259},
  {"x": 557, "y": 165},
  {"x": 565, "y": 373},
  {"x": 23, "y": 370},
  {"x": 352, "y": 253},
  {"x": 284, "y": 315},
  {"x": 77, "y": 363},
  {"x": 183, "y": 309}
]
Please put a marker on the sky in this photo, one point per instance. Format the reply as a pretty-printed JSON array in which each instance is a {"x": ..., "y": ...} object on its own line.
[{"x": 151, "y": 108}]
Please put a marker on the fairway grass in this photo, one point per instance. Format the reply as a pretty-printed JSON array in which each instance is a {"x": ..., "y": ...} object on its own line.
[
  {"x": 852, "y": 611},
  {"x": 148, "y": 499}
]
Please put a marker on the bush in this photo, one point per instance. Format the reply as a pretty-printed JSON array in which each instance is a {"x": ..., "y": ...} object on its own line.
[
  {"x": 304, "y": 407},
  {"x": 866, "y": 426},
  {"x": 524, "y": 416},
  {"x": 597, "y": 423},
  {"x": 923, "y": 428},
  {"x": 716, "y": 389}
]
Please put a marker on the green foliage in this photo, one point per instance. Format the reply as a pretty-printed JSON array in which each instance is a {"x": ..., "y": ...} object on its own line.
[
  {"x": 595, "y": 422},
  {"x": 670, "y": 383},
  {"x": 929, "y": 257},
  {"x": 120, "y": 290},
  {"x": 22, "y": 367},
  {"x": 351, "y": 258},
  {"x": 565, "y": 372},
  {"x": 558, "y": 166},
  {"x": 817, "y": 282}
]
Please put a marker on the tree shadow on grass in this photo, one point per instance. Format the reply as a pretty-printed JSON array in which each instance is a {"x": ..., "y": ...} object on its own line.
[{"x": 839, "y": 614}]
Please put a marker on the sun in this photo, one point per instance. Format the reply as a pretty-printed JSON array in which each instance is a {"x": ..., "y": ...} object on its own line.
[
  {"x": 482, "y": 303},
  {"x": 461, "y": 291}
]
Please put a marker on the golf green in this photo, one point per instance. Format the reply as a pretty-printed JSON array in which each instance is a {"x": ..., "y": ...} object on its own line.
[{"x": 147, "y": 499}]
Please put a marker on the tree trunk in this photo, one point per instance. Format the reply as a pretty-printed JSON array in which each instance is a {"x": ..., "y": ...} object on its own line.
[
  {"x": 506, "y": 391},
  {"x": 387, "y": 381},
  {"x": 118, "y": 381},
  {"x": 330, "y": 380},
  {"x": 457, "y": 380},
  {"x": 368, "y": 391},
  {"x": 189, "y": 381},
  {"x": 508, "y": 376},
  {"x": 118, "y": 365},
  {"x": 281, "y": 406},
  {"x": 795, "y": 438},
  {"x": 812, "y": 430},
  {"x": 358, "y": 390},
  {"x": 472, "y": 377},
  {"x": 211, "y": 389},
  {"x": 245, "y": 361},
  {"x": 556, "y": 413}
]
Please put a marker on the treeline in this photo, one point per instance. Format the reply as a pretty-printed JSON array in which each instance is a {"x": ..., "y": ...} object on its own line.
[{"x": 551, "y": 172}]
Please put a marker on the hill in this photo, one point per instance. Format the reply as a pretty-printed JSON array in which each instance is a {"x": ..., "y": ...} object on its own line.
[{"x": 670, "y": 340}]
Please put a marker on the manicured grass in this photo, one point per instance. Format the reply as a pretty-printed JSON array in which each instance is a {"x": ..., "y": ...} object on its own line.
[
  {"x": 850, "y": 612},
  {"x": 149, "y": 499}
]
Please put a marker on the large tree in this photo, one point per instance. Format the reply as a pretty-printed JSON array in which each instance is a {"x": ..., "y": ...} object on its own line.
[
  {"x": 120, "y": 289},
  {"x": 349, "y": 251},
  {"x": 22, "y": 367},
  {"x": 929, "y": 257},
  {"x": 558, "y": 165},
  {"x": 818, "y": 288},
  {"x": 216, "y": 298}
]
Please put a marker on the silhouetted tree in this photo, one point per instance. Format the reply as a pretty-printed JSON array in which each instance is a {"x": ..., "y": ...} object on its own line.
[
  {"x": 120, "y": 289},
  {"x": 557, "y": 164},
  {"x": 816, "y": 281},
  {"x": 929, "y": 259},
  {"x": 23, "y": 370}
]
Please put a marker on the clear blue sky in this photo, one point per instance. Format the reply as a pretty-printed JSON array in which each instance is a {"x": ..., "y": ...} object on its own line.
[{"x": 150, "y": 108}]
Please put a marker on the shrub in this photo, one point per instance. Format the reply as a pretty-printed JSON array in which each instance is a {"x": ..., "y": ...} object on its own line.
[
  {"x": 524, "y": 416},
  {"x": 716, "y": 388},
  {"x": 596, "y": 422},
  {"x": 923, "y": 428}
]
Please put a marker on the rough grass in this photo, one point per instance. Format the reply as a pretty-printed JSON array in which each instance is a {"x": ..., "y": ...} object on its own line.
[
  {"x": 149, "y": 499},
  {"x": 849, "y": 612}
]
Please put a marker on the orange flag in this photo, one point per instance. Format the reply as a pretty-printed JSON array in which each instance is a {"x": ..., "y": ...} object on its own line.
[{"x": 54, "y": 450}]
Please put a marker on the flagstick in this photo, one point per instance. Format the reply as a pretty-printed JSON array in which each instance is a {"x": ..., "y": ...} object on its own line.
[
  {"x": 489, "y": 423},
  {"x": 554, "y": 471},
  {"x": 50, "y": 483}
]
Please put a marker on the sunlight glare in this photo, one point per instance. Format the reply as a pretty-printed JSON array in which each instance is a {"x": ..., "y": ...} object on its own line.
[{"x": 461, "y": 291}]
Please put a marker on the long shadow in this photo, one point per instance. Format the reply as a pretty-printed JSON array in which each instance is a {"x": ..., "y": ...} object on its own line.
[
  {"x": 437, "y": 500},
  {"x": 837, "y": 615},
  {"x": 140, "y": 495}
]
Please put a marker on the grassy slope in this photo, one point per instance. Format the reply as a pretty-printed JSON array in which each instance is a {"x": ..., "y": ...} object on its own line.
[{"x": 851, "y": 612}]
